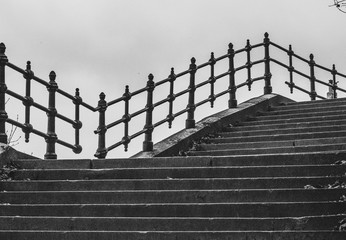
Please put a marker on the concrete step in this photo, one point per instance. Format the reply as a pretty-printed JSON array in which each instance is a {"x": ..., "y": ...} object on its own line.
[
  {"x": 172, "y": 196},
  {"x": 168, "y": 235},
  {"x": 280, "y": 137},
  {"x": 300, "y": 115},
  {"x": 273, "y": 111},
  {"x": 256, "y": 121},
  {"x": 238, "y": 133},
  {"x": 314, "y": 103},
  {"x": 190, "y": 161},
  {"x": 188, "y": 224},
  {"x": 170, "y": 184},
  {"x": 253, "y": 209},
  {"x": 273, "y": 144},
  {"x": 222, "y": 150},
  {"x": 183, "y": 172},
  {"x": 284, "y": 125}
]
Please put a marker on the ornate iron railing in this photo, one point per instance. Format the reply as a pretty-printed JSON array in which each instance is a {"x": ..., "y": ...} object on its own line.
[{"x": 149, "y": 125}]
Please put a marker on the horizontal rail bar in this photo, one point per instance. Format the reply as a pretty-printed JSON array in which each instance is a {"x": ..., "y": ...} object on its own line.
[
  {"x": 63, "y": 143},
  {"x": 65, "y": 94},
  {"x": 91, "y": 108},
  {"x": 14, "y": 67},
  {"x": 279, "y": 47},
  {"x": 221, "y": 58},
  {"x": 42, "y": 108},
  {"x": 15, "y": 95},
  {"x": 22, "y": 126},
  {"x": 41, "y": 81},
  {"x": 117, "y": 100},
  {"x": 299, "y": 88},
  {"x": 66, "y": 119}
]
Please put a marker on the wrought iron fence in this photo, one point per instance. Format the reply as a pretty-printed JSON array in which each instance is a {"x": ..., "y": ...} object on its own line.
[{"x": 149, "y": 126}]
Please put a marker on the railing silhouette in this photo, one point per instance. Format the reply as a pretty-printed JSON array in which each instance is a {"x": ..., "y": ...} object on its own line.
[{"x": 149, "y": 126}]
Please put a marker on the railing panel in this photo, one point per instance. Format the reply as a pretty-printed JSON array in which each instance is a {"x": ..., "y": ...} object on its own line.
[{"x": 244, "y": 67}]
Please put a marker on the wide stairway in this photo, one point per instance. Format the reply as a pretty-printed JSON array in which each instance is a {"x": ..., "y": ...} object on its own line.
[{"x": 279, "y": 175}]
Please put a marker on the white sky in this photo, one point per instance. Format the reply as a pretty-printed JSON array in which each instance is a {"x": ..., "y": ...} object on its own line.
[{"x": 106, "y": 44}]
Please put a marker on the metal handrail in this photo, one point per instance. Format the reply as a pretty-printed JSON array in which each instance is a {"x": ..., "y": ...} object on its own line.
[{"x": 149, "y": 126}]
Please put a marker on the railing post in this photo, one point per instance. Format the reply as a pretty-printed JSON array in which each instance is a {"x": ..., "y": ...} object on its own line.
[
  {"x": 102, "y": 128},
  {"x": 28, "y": 101},
  {"x": 312, "y": 78},
  {"x": 52, "y": 137},
  {"x": 171, "y": 97},
  {"x": 267, "y": 74},
  {"x": 232, "y": 102},
  {"x": 334, "y": 72},
  {"x": 291, "y": 68},
  {"x": 127, "y": 118},
  {"x": 190, "y": 121},
  {"x": 3, "y": 89},
  {"x": 248, "y": 48},
  {"x": 212, "y": 80},
  {"x": 77, "y": 123},
  {"x": 148, "y": 143}
]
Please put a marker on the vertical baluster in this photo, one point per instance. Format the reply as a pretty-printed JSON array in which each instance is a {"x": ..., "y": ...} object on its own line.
[
  {"x": 52, "y": 137},
  {"x": 77, "y": 123},
  {"x": 212, "y": 62},
  {"x": 28, "y": 101},
  {"x": 335, "y": 83},
  {"x": 126, "y": 118},
  {"x": 267, "y": 74},
  {"x": 171, "y": 97},
  {"x": 312, "y": 78},
  {"x": 3, "y": 89},
  {"x": 148, "y": 143},
  {"x": 232, "y": 102},
  {"x": 101, "y": 151},
  {"x": 248, "y": 64},
  {"x": 291, "y": 68},
  {"x": 190, "y": 121}
]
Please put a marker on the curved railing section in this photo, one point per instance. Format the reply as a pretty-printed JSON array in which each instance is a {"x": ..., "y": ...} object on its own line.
[{"x": 149, "y": 91}]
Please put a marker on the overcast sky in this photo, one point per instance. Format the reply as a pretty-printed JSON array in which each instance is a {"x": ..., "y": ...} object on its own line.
[{"x": 104, "y": 45}]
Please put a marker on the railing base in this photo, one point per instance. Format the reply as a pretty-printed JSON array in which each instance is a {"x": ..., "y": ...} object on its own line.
[
  {"x": 148, "y": 146},
  {"x": 190, "y": 123}
]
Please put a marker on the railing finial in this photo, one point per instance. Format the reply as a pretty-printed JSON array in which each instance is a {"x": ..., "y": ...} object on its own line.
[
  {"x": 52, "y": 77},
  {"x": 230, "y": 46},
  {"x": 2, "y": 48}
]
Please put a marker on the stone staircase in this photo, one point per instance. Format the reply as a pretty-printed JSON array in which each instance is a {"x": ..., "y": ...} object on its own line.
[{"x": 279, "y": 175}]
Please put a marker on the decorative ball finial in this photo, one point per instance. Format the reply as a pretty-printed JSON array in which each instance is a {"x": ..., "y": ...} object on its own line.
[
  {"x": 52, "y": 76},
  {"x": 151, "y": 77},
  {"x": 77, "y": 92},
  {"x": 2, "y": 48},
  {"x": 102, "y": 96}
]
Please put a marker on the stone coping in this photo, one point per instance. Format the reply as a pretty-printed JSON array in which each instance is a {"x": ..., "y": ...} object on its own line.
[{"x": 183, "y": 140}]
